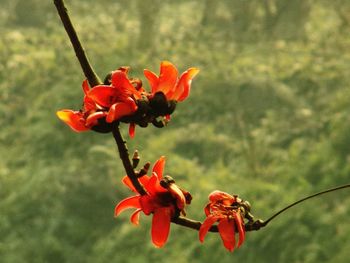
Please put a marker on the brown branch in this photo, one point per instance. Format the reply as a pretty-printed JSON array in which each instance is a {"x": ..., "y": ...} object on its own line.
[
  {"x": 124, "y": 156},
  {"x": 95, "y": 80},
  {"x": 193, "y": 224},
  {"x": 257, "y": 224},
  {"x": 78, "y": 48}
]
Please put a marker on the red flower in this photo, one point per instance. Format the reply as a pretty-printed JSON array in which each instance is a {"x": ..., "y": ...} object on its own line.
[
  {"x": 110, "y": 102},
  {"x": 224, "y": 208},
  {"x": 86, "y": 118},
  {"x": 164, "y": 199},
  {"x": 119, "y": 97},
  {"x": 169, "y": 84},
  {"x": 124, "y": 99}
]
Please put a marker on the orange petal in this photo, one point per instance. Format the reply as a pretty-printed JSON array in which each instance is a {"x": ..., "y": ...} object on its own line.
[
  {"x": 131, "y": 103},
  {"x": 135, "y": 217},
  {"x": 178, "y": 195},
  {"x": 152, "y": 79},
  {"x": 118, "y": 110},
  {"x": 160, "y": 226},
  {"x": 126, "y": 180},
  {"x": 89, "y": 104},
  {"x": 104, "y": 95},
  {"x": 130, "y": 202},
  {"x": 207, "y": 209},
  {"x": 183, "y": 87},
  {"x": 92, "y": 119},
  {"x": 148, "y": 204},
  {"x": 167, "y": 77},
  {"x": 219, "y": 196},
  {"x": 85, "y": 86},
  {"x": 151, "y": 184},
  {"x": 143, "y": 180},
  {"x": 240, "y": 227},
  {"x": 132, "y": 130},
  {"x": 158, "y": 167},
  {"x": 121, "y": 82},
  {"x": 74, "y": 119},
  {"x": 206, "y": 225},
  {"x": 227, "y": 232}
]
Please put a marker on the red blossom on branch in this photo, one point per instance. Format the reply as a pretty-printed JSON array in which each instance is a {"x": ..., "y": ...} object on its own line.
[
  {"x": 85, "y": 118},
  {"x": 103, "y": 104},
  {"x": 164, "y": 199},
  {"x": 169, "y": 84},
  {"x": 167, "y": 90},
  {"x": 225, "y": 209},
  {"x": 124, "y": 99}
]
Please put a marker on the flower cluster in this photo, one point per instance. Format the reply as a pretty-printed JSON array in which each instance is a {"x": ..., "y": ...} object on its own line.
[
  {"x": 124, "y": 99},
  {"x": 228, "y": 211},
  {"x": 164, "y": 199}
]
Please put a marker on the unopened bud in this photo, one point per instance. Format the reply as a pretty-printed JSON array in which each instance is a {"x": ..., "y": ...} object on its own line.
[
  {"x": 135, "y": 159},
  {"x": 144, "y": 169}
]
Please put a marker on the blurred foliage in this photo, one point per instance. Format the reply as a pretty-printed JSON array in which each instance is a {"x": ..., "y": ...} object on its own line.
[{"x": 268, "y": 119}]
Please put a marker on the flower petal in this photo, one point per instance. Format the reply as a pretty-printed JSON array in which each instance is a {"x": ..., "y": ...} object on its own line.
[
  {"x": 167, "y": 77},
  {"x": 207, "y": 209},
  {"x": 92, "y": 119},
  {"x": 130, "y": 202},
  {"x": 148, "y": 204},
  {"x": 143, "y": 180},
  {"x": 85, "y": 87},
  {"x": 158, "y": 167},
  {"x": 135, "y": 217},
  {"x": 89, "y": 104},
  {"x": 132, "y": 130},
  {"x": 183, "y": 87},
  {"x": 208, "y": 222},
  {"x": 74, "y": 119},
  {"x": 240, "y": 227},
  {"x": 176, "y": 192},
  {"x": 222, "y": 197},
  {"x": 121, "y": 82},
  {"x": 104, "y": 95},
  {"x": 151, "y": 184},
  {"x": 161, "y": 226},
  {"x": 119, "y": 110},
  {"x": 152, "y": 79},
  {"x": 227, "y": 232}
]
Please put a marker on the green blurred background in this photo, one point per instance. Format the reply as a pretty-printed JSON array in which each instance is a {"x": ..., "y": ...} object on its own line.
[{"x": 268, "y": 119}]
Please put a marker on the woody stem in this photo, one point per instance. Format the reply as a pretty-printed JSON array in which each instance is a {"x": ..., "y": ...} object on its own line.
[
  {"x": 78, "y": 48},
  {"x": 93, "y": 81},
  {"x": 258, "y": 224},
  {"x": 124, "y": 156}
]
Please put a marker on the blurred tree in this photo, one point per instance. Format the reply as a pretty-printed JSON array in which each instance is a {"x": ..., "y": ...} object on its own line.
[
  {"x": 34, "y": 13},
  {"x": 149, "y": 11}
]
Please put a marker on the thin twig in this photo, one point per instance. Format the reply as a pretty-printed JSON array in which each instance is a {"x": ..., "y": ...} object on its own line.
[
  {"x": 124, "y": 156},
  {"x": 95, "y": 80},
  {"x": 78, "y": 48},
  {"x": 304, "y": 199}
]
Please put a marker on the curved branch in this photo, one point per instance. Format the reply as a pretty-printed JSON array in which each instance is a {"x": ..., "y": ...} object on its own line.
[
  {"x": 193, "y": 224},
  {"x": 78, "y": 48},
  {"x": 124, "y": 156},
  {"x": 257, "y": 224}
]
